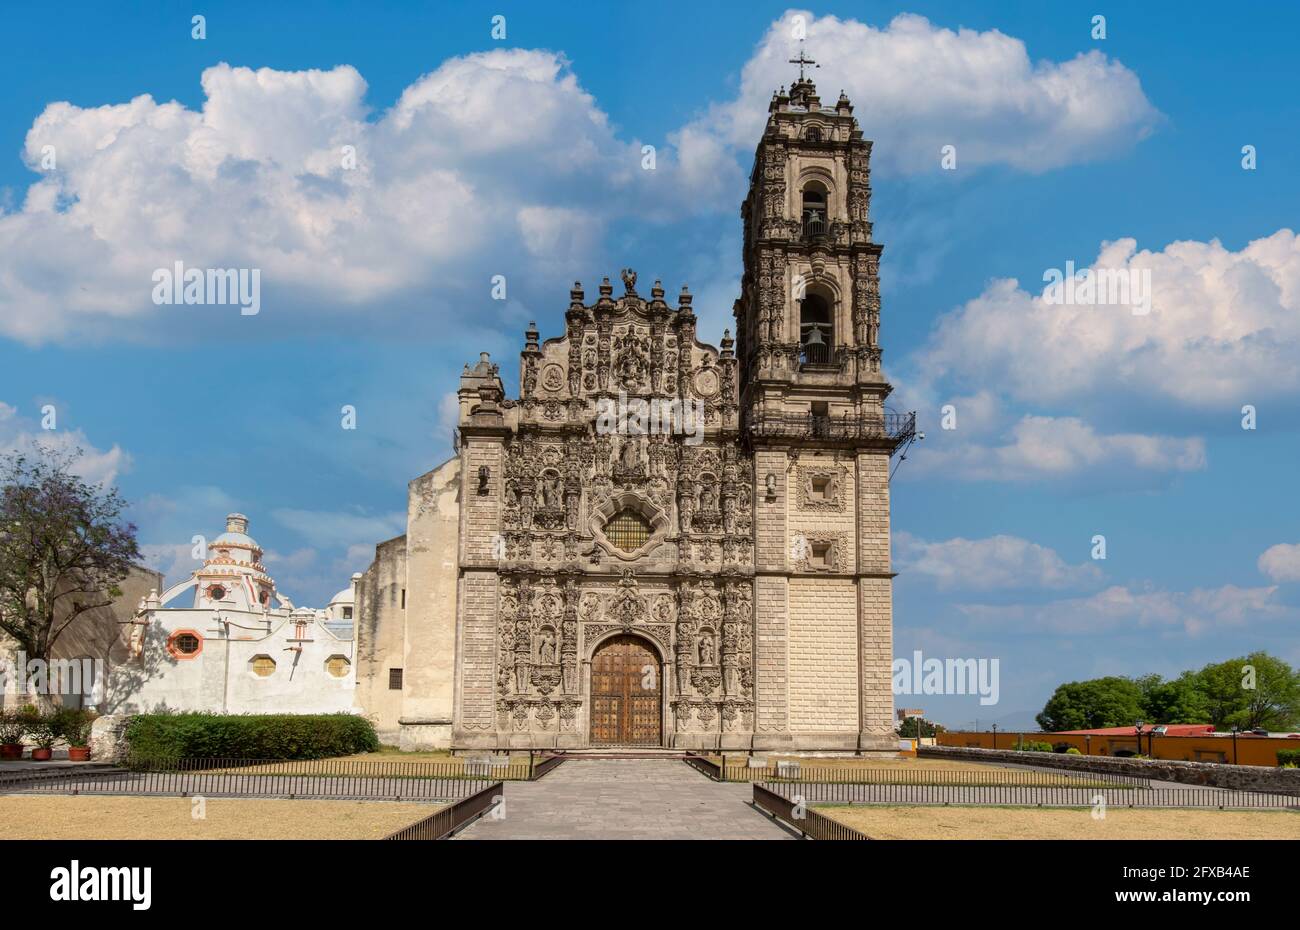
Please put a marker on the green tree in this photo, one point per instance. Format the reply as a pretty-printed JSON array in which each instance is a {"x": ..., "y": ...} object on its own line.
[
  {"x": 1178, "y": 701},
  {"x": 63, "y": 548},
  {"x": 909, "y": 727},
  {"x": 1098, "y": 702},
  {"x": 1256, "y": 690}
]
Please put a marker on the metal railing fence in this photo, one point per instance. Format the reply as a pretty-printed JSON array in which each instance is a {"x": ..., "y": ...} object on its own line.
[
  {"x": 991, "y": 777},
  {"x": 808, "y": 822},
  {"x": 443, "y": 823},
  {"x": 1030, "y": 796}
]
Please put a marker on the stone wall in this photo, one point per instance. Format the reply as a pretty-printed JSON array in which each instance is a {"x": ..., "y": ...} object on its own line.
[
  {"x": 433, "y": 522},
  {"x": 99, "y": 634},
  {"x": 771, "y": 660},
  {"x": 380, "y": 634},
  {"x": 823, "y": 661},
  {"x": 771, "y": 600},
  {"x": 875, "y": 603},
  {"x": 1210, "y": 774},
  {"x": 108, "y": 738},
  {"x": 476, "y": 719}
]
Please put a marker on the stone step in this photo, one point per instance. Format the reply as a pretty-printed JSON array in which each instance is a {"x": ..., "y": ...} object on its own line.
[{"x": 621, "y": 753}]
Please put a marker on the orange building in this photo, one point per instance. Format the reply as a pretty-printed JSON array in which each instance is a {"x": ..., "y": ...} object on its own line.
[{"x": 1190, "y": 742}]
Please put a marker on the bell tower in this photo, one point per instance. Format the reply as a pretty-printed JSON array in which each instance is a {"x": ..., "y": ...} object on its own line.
[
  {"x": 812, "y": 397},
  {"x": 809, "y": 310}
]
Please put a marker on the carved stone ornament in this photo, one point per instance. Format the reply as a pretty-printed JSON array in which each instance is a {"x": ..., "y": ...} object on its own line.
[
  {"x": 706, "y": 680},
  {"x": 647, "y": 508},
  {"x": 806, "y": 545},
  {"x": 660, "y": 632},
  {"x": 821, "y": 489}
]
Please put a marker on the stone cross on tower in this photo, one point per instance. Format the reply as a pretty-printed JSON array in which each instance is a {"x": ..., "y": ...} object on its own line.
[{"x": 802, "y": 61}]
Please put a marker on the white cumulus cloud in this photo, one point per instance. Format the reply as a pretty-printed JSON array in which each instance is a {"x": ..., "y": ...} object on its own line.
[
  {"x": 995, "y": 562},
  {"x": 1136, "y": 608},
  {"x": 1281, "y": 562},
  {"x": 1223, "y": 330},
  {"x": 917, "y": 87},
  {"x": 1055, "y": 448},
  {"x": 22, "y": 434},
  {"x": 496, "y": 162}
]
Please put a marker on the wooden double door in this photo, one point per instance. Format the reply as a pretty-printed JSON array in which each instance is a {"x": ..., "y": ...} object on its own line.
[{"x": 626, "y": 694}]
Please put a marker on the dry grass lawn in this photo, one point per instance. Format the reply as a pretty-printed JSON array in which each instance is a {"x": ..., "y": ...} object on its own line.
[
  {"x": 1031, "y": 823},
  {"x": 392, "y": 754},
  {"x": 29, "y": 817}
]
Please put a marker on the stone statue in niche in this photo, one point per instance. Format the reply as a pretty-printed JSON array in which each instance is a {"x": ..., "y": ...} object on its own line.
[
  {"x": 632, "y": 360},
  {"x": 629, "y": 456},
  {"x": 551, "y": 492},
  {"x": 521, "y": 677},
  {"x": 546, "y": 651},
  {"x": 686, "y": 508},
  {"x": 731, "y": 678},
  {"x": 706, "y": 649}
]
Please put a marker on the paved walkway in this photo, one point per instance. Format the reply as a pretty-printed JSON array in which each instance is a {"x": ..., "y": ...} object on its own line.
[{"x": 626, "y": 799}]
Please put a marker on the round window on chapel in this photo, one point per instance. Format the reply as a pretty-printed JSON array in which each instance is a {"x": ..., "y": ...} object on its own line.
[
  {"x": 337, "y": 666},
  {"x": 262, "y": 666},
  {"x": 184, "y": 644}
]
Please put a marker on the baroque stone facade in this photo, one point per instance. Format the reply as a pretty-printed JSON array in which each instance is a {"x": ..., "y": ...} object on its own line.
[{"x": 744, "y": 555}]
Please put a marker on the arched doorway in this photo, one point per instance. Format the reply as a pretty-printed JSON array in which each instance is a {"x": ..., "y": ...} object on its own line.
[{"x": 626, "y": 692}]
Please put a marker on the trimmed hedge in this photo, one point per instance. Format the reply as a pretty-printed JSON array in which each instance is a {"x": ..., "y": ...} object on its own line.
[
  {"x": 249, "y": 736},
  {"x": 1288, "y": 757}
]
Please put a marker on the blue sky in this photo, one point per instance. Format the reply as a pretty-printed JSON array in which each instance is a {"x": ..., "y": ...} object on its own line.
[{"x": 522, "y": 158}]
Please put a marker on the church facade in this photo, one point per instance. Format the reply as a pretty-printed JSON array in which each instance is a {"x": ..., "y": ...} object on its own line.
[{"x": 660, "y": 542}]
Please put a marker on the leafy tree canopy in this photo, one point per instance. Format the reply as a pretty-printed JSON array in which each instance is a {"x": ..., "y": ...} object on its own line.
[
  {"x": 1099, "y": 702},
  {"x": 64, "y": 547},
  {"x": 1255, "y": 690},
  {"x": 910, "y": 725}
]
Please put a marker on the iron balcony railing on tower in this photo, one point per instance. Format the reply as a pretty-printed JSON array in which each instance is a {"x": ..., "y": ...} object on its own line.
[{"x": 892, "y": 429}]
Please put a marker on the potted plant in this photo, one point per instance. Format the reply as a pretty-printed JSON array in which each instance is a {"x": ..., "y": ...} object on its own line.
[
  {"x": 44, "y": 734},
  {"x": 74, "y": 725},
  {"x": 12, "y": 730}
]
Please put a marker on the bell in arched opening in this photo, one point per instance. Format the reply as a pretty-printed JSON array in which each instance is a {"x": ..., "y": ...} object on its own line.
[{"x": 814, "y": 330}]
